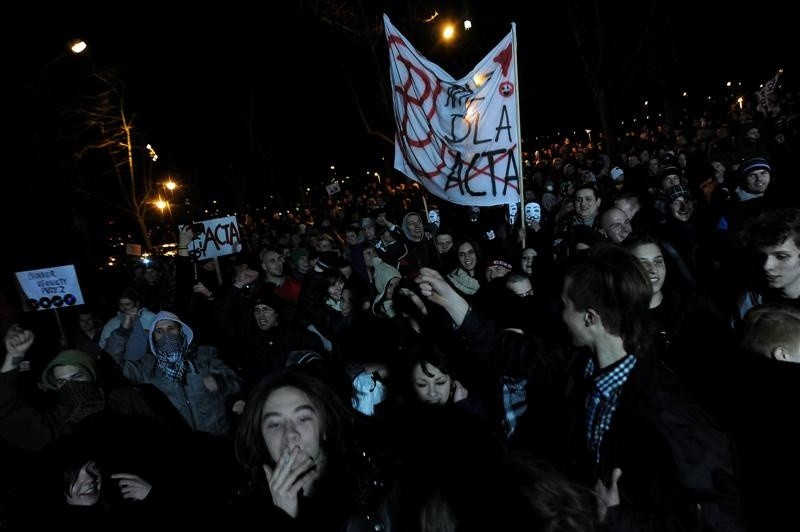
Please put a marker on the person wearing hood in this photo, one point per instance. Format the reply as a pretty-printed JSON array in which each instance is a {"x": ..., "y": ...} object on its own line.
[
  {"x": 421, "y": 249},
  {"x": 73, "y": 378},
  {"x": 194, "y": 378},
  {"x": 386, "y": 279}
]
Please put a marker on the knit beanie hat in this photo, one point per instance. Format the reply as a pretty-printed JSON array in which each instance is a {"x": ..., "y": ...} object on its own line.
[
  {"x": 751, "y": 165},
  {"x": 678, "y": 191},
  {"x": 70, "y": 357}
]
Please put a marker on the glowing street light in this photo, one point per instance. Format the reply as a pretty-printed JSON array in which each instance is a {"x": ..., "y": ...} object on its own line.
[
  {"x": 589, "y": 132},
  {"x": 170, "y": 185},
  {"x": 77, "y": 46},
  {"x": 448, "y": 32},
  {"x": 467, "y": 24},
  {"x": 160, "y": 204}
]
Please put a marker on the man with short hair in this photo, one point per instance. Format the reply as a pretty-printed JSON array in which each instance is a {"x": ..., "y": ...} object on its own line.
[
  {"x": 621, "y": 414},
  {"x": 616, "y": 225},
  {"x": 775, "y": 236},
  {"x": 586, "y": 202},
  {"x": 286, "y": 288}
]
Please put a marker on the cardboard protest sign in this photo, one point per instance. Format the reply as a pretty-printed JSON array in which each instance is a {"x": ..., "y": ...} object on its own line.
[
  {"x": 220, "y": 237},
  {"x": 49, "y": 288}
]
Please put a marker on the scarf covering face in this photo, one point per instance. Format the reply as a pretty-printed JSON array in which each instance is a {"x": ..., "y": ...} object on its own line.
[
  {"x": 170, "y": 350},
  {"x": 80, "y": 399}
]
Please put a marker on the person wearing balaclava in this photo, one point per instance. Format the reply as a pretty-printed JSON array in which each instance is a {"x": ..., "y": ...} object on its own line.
[
  {"x": 194, "y": 378},
  {"x": 72, "y": 376}
]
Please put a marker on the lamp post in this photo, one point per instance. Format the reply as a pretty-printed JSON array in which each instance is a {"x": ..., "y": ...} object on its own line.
[{"x": 74, "y": 47}]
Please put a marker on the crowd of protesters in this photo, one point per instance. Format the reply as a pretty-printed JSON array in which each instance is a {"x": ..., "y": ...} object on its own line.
[{"x": 621, "y": 351}]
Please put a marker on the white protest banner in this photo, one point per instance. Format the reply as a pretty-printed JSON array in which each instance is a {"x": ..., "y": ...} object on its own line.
[
  {"x": 220, "y": 237},
  {"x": 50, "y": 288},
  {"x": 460, "y": 139},
  {"x": 333, "y": 188}
]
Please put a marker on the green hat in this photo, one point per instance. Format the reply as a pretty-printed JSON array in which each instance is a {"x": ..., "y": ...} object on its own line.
[{"x": 70, "y": 357}]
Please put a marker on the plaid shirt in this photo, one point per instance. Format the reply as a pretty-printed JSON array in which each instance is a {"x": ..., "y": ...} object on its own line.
[{"x": 602, "y": 401}]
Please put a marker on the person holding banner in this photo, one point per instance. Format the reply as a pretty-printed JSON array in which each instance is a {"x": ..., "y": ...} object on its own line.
[{"x": 421, "y": 249}]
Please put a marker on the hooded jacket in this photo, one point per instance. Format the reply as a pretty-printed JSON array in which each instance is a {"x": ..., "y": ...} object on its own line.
[
  {"x": 383, "y": 274},
  {"x": 203, "y": 410}
]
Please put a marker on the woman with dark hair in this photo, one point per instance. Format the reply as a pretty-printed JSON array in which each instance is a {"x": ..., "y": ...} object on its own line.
[
  {"x": 430, "y": 378},
  {"x": 297, "y": 435},
  {"x": 464, "y": 277},
  {"x": 683, "y": 326}
]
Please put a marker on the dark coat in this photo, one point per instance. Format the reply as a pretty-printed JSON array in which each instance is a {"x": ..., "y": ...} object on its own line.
[{"x": 677, "y": 472}]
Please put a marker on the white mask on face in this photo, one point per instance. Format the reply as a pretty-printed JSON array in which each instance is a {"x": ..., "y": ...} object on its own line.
[
  {"x": 434, "y": 218},
  {"x": 512, "y": 213},
  {"x": 533, "y": 213}
]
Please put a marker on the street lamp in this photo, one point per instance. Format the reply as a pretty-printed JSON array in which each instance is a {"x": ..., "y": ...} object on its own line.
[
  {"x": 448, "y": 32},
  {"x": 170, "y": 185},
  {"x": 77, "y": 46},
  {"x": 589, "y": 132}
]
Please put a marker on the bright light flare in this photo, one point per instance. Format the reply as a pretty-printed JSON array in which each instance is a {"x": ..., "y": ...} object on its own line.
[{"x": 448, "y": 32}]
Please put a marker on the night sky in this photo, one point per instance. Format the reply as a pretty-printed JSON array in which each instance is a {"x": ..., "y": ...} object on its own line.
[{"x": 200, "y": 82}]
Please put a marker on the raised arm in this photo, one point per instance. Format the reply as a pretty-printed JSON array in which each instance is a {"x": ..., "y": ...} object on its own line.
[
  {"x": 437, "y": 290},
  {"x": 17, "y": 342}
]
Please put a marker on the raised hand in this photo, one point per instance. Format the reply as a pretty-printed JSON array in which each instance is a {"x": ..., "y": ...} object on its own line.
[
  {"x": 416, "y": 300},
  {"x": 185, "y": 236},
  {"x": 200, "y": 288},
  {"x": 607, "y": 496},
  {"x": 433, "y": 286},
  {"x": 18, "y": 340},
  {"x": 129, "y": 317},
  {"x": 133, "y": 487},
  {"x": 459, "y": 392},
  {"x": 294, "y": 471}
]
